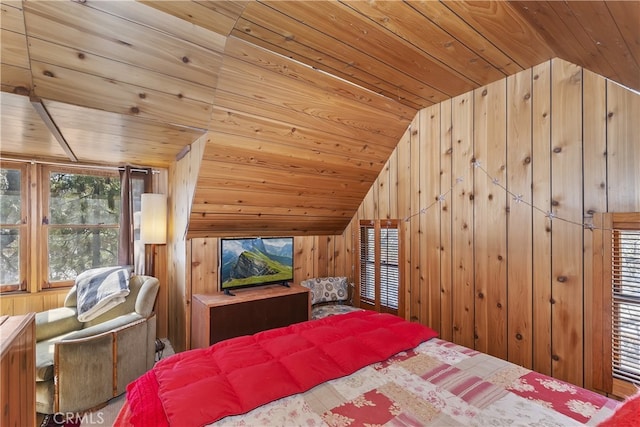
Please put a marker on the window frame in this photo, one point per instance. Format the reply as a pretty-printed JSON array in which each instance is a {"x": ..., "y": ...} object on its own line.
[
  {"x": 43, "y": 223},
  {"x": 23, "y": 228},
  {"x": 602, "y": 314},
  {"x": 377, "y": 303}
]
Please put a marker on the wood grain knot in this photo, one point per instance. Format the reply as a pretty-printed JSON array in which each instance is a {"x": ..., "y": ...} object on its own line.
[
  {"x": 21, "y": 90},
  {"x": 519, "y": 336},
  {"x": 555, "y": 357},
  {"x": 562, "y": 279},
  {"x": 134, "y": 110},
  {"x": 557, "y": 150},
  {"x": 185, "y": 59},
  {"x": 48, "y": 73}
]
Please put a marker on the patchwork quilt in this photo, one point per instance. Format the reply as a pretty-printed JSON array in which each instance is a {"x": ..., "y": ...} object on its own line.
[
  {"x": 359, "y": 368},
  {"x": 440, "y": 384}
]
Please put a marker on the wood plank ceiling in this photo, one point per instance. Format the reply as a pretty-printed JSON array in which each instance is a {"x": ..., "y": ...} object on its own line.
[{"x": 301, "y": 102}]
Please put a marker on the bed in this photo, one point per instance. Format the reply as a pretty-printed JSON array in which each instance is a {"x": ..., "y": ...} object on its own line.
[{"x": 358, "y": 368}]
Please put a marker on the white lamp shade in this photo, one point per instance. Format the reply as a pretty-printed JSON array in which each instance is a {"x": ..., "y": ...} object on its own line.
[{"x": 153, "y": 224}]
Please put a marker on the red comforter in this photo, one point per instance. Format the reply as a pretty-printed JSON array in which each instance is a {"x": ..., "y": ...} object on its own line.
[{"x": 232, "y": 377}]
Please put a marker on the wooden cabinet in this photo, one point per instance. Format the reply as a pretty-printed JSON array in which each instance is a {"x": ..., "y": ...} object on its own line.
[
  {"x": 18, "y": 370},
  {"x": 216, "y": 317}
]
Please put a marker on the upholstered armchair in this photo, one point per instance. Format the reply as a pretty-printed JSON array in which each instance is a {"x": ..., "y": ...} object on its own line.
[
  {"x": 329, "y": 296},
  {"x": 81, "y": 365}
]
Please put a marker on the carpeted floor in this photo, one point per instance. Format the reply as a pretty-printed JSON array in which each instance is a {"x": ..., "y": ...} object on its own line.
[{"x": 104, "y": 416}]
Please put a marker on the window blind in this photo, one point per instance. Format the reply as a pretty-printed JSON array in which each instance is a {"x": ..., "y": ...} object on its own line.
[
  {"x": 367, "y": 264},
  {"x": 384, "y": 238},
  {"x": 389, "y": 278},
  {"x": 625, "y": 264}
]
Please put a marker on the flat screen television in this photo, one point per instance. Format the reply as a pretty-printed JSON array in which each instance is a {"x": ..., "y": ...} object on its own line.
[{"x": 255, "y": 261}]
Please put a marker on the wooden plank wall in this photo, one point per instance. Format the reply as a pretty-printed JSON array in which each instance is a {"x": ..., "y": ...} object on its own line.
[
  {"x": 502, "y": 262},
  {"x": 18, "y": 304},
  {"x": 183, "y": 175}
]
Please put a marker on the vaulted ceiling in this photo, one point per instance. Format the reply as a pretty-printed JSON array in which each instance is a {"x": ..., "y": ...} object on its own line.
[{"x": 300, "y": 102}]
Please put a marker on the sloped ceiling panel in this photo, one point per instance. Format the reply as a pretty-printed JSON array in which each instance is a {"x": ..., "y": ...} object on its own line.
[{"x": 290, "y": 148}]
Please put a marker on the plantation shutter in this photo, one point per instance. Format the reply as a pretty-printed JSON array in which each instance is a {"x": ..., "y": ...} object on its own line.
[
  {"x": 380, "y": 265},
  {"x": 389, "y": 277},
  {"x": 625, "y": 287},
  {"x": 367, "y": 264},
  {"x": 615, "y": 314}
]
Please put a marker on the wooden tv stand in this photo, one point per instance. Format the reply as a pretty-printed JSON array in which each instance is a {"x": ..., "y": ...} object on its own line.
[{"x": 216, "y": 317}]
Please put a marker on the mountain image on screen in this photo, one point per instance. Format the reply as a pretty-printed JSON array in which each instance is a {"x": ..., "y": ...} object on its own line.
[{"x": 255, "y": 261}]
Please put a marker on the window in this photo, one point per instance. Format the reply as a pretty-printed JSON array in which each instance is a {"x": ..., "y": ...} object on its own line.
[
  {"x": 80, "y": 223},
  {"x": 625, "y": 287},
  {"x": 616, "y": 304},
  {"x": 57, "y": 221},
  {"x": 13, "y": 227},
  {"x": 379, "y": 265}
]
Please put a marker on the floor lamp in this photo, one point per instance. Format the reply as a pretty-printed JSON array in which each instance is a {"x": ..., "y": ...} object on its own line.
[{"x": 153, "y": 226}]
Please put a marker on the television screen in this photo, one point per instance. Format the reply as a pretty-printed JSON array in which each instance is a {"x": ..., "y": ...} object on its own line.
[{"x": 255, "y": 261}]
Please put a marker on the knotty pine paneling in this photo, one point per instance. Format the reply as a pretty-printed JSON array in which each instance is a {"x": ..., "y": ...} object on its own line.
[
  {"x": 417, "y": 223},
  {"x": 401, "y": 19},
  {"x": 303, "y": 42},
  {"x": 519, "y": 219},
  {"x": 76, "y": 24},
  {"x": 485, "y": 16},
  {"x": 182, "y": 178},
  {"x": 566, "y": 237},
  {"x": 403, "y": 197},
  {"x": 490, "y": 219},
  {"x": 462, "y": 237},
  {"x": 18, "y": 304},
  {"x": 512, "y": 131},
  {"x": 413, "y": 246},
  {"x": 14, "y": 46},
  {"x": 15, "y": 79},
  {"x": 541, "y": 160},
  {"x": 430, "y": 250},
  {"x": 623, "y": 179},
  {"x": 444, "y": 205},
  {"x": 542, "y": 138},
  {"x": 595, "y": 194}
]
